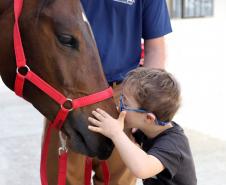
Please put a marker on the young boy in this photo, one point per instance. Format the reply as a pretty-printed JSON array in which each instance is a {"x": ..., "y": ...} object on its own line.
[{"x": 149, "y": 100}]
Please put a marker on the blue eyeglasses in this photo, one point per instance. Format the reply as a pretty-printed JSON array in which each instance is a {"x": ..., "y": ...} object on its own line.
[{"x": 123, "y": 107}]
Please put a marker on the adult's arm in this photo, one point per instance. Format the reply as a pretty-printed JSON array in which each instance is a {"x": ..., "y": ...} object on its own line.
[{"x": 155, "y": 53}]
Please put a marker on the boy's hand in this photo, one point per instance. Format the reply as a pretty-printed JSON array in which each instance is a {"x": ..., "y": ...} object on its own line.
[{"x": 105, "y": 124}]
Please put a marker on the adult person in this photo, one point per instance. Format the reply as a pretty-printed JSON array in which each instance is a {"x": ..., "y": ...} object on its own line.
[{"x": 118, "y": 27}]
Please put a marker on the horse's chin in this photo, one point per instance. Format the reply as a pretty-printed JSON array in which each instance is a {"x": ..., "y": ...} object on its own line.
[
  {"x": 77, "y": 144},
  {"x": 80, "y": 148},
  {"x": 88, "y": 145}
]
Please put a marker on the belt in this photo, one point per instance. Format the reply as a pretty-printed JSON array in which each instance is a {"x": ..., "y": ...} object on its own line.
[{"x": 115, "y": 83}]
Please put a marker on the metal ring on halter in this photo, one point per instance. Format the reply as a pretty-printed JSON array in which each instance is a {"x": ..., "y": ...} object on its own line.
[
  {"x": 71, "y": 102},
  {"x": 27, "y": 68}
]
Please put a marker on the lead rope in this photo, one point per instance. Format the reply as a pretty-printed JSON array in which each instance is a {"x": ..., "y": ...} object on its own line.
[
  {"x": 88, "y": 171},
  {"x": 63, "y": 155},
  {"x": 106, "y": 172}
]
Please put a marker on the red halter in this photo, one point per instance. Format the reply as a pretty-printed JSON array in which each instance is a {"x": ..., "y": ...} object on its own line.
[{"x": 57, "y": 97}]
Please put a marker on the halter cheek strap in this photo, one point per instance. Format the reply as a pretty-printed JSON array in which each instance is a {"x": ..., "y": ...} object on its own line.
[{"x": 23, "y": 73}]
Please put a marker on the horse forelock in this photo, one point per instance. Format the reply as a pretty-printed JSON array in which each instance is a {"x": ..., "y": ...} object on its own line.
[
  {"x": 46, "y": 2},
  {"x": 43, "y": 4}
]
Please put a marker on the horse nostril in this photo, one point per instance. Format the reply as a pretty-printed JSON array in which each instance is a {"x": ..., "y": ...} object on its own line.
[{"x": 81, "y": 137}]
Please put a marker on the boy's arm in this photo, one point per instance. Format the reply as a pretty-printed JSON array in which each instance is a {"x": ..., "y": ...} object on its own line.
[{"x": 141, "y": 164}]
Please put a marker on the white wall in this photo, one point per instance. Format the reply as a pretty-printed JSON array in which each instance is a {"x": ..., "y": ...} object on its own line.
[{"x": 197, "y": 56}]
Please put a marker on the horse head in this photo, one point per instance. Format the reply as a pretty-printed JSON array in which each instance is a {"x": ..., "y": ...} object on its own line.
[{"x": 60, "y": 48}]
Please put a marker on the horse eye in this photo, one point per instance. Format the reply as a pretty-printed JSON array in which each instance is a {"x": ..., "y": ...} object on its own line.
[{"x": 68, "y": 41}]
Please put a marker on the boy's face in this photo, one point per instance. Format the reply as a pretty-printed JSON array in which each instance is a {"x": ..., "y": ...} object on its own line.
[{"x": 134, "y": 118}]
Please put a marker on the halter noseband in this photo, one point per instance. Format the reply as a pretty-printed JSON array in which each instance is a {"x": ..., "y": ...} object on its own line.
[{"x": 23, "y": 73}]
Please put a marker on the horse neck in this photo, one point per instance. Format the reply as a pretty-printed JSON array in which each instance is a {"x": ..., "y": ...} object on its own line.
[{"x": 7, "y": 59}]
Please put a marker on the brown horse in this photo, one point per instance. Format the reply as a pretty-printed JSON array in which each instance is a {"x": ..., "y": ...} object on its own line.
[{"x": 60, "y": 48}]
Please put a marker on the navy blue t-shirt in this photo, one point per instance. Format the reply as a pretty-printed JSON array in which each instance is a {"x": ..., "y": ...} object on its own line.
[{"x": 119, "y": 25}]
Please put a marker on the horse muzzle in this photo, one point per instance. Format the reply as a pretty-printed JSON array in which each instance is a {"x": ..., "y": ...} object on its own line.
[{"x": 81, "y": 140}]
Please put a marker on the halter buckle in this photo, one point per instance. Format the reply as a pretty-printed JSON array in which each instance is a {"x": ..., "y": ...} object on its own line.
[
  {"x": 63, "y": 142},
  {"x": 62, "y": 150}
]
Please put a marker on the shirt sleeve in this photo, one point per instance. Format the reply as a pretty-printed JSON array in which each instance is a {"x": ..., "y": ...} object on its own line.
[
  {"x": 169, "y": 156},
  {"x": 155, "y": 19}
]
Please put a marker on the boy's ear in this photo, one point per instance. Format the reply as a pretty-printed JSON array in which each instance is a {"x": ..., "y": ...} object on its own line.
[{"x": 151, "y": 117}]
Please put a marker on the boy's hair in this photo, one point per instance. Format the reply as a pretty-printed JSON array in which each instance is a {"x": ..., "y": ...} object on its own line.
[{"x": 155, "y": 90}]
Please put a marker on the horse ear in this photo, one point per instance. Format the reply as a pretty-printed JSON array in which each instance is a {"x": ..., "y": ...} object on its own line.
[{"x": 4, "y": 5}]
